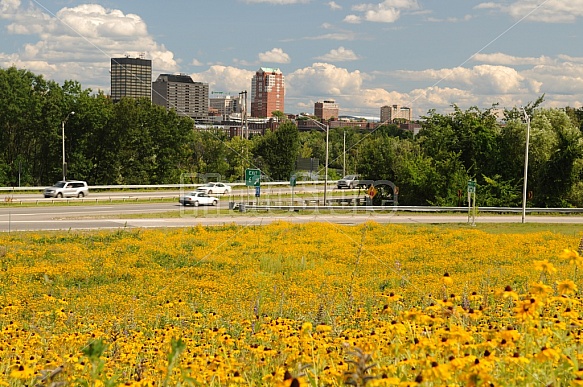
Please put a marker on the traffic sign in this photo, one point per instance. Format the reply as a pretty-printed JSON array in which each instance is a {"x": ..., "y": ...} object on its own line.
[
  {"x": 293, "y": 181},
  {"x": 471, "y": 186},
  {"x": 257, "y": 191},
  {"x": 252, "y": 177}
]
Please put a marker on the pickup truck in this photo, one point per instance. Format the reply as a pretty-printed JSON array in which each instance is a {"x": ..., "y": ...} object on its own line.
[{"x": 348, "y": 181}]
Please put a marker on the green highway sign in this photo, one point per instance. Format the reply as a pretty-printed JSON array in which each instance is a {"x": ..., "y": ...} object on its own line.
[
  {"x": 252, "y": 177},
  {"x": 471, "y": 186}
]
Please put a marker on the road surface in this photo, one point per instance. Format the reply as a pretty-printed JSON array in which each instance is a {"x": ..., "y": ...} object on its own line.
[{"x": 90, "y": 217}]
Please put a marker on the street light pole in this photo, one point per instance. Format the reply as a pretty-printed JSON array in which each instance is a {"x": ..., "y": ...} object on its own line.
[
  {"x": 527, "y": 118},
  {"x": 326, "y": 169},
  {"x": 63, "y": 136},
  {"x": 344, "y": 154}
]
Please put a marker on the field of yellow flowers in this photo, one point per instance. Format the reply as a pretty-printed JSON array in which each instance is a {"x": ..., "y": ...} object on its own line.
[{"x": 291, "y": 304}]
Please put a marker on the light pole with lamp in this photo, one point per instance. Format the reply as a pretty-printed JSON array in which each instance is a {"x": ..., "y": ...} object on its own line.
[
  {"x": 63, "y": 135},
  {"x": 527, "y": 118},
  {"x": 327, "y": 129}
]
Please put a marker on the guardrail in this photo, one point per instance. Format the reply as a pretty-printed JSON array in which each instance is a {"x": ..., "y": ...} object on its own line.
[{"x": 318, "y": 205}]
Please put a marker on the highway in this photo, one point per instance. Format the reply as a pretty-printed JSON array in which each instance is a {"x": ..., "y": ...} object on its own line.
[{"x": 116, "y": 216}]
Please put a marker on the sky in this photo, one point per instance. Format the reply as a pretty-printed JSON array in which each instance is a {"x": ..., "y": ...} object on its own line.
[{"x": 422, "y": 54}]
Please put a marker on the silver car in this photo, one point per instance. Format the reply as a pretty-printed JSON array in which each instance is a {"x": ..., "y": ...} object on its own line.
[
  {"x": 67, "y": 189},
  {"x": 198, "y": 198}
]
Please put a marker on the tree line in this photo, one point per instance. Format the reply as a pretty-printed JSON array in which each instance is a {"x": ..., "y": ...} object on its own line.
[{"x": 136, "y": 142}]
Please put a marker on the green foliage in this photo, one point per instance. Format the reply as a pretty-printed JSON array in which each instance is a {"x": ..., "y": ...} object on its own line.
[
  {"x": 496, "y": 192},
  {"x": 278, "y": 151}
]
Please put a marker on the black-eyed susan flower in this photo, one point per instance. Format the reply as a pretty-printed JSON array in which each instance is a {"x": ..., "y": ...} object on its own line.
[
  {"x": 566, "y": 287},
  {"x": 545, "y": 266},
  {"x": 572, "y": 257},
  {"x": 446, "y": 279}
]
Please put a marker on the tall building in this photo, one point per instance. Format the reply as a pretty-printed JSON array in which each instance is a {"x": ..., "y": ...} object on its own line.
[
  {"x": 131, "y": 77},
  {"x": 391, "y": 113},
  {"x": 326, "y": 110},
  {"x": 267, "y": 92},
  {"x": 225, "y": 105},
  {"x": 181, "y": 93}
]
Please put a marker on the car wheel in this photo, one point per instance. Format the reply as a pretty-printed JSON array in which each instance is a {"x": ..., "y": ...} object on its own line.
[
  {"x": 351, "y": 186},
  {"x": 59, "y": 195},
  {"x": 215, "y": 202},
  {"x": 195, "y": 203},
  {"x": 80, "y": 194},
  {"x": 210, "y": 192}
]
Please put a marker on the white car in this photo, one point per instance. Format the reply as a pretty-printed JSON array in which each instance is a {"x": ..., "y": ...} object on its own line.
[
  {"x": 197, "y": 198},
  {"x": 215, "y": 188},
  {"x": 67, "y": 189}
]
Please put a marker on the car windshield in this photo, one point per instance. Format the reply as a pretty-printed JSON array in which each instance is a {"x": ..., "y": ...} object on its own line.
[
  {"x": 349, "y": 177},
  {"x": 209, "y": 185},
  {"x": 59, "y": 184}
]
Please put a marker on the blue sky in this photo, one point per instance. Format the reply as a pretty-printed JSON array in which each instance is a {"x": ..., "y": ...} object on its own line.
[{"x": 416, "y": 53}]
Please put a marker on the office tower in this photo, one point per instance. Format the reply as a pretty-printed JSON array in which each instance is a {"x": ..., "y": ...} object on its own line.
[
  {"x": 326, "y": 110},
  {"x": 131, "y": 77},
  {"x": 391, "y": 113},
  {"x": 225, "y": 104},
  {"x": 267, "y": 92},
  {"x": 181, "y": 93}
]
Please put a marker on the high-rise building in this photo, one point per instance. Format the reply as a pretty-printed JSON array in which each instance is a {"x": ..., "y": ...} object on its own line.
[
  {"x": 131, "y": 77},
  {"x": 225, "y": 105},
  {"x": 181, "y": 93},
  {"x": 391, "y": 113},
  {"x": 326, "y": 110},
  {"x": 267, "y": 92}
]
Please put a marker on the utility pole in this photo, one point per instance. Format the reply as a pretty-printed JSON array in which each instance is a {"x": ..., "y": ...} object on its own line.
[
  {"x": 63, "y": 135},
  {"x": 527, "y": 118}
]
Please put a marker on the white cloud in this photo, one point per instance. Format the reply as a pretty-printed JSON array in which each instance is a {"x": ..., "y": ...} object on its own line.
[
  {"x": 334, "y": 6},
  {"x": 352, "y": 19},
  {"x": 509, "y": 60},
  {"x": 341, "y": 35},
  {"x": 450, "y": 19},
  {"x": 276, "y": 55},
  {"x": 8, "y": 8},
  {"x": 485, "y": 79},
  {"x": 78, "y": 42},
  {"x": 388, "y": 11},
  {"x": 340, "y": 54},
  {"x": 550, "y": 11},
  {"x": 196, "y": 62},
  {"x": 225, "y": 78}
]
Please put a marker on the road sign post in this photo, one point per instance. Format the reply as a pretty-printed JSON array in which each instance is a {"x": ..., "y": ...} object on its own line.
[
  {"x": 292, "y": 183},
  {"x": 472, "y": 196}
]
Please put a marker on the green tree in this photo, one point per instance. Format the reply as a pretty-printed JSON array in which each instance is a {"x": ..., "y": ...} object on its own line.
[
  {"x": 238, "y": 157},
  {"x": 209, "y": 152},
  {"x": 278, "y": 151},
  {"x": 557, "y": 175}
]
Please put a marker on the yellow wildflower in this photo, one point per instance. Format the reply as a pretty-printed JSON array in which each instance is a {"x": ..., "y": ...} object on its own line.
[
  {"x": 21, "y": 372},
  {"x": 446, "y": 279},
  {"x": 572, "y": 256},
  {"x": 566, "y": 287},
  {"x": 548, "y": 354},
  {"x": 545, "y": 266},
  {"x": 540, "y": 289}
]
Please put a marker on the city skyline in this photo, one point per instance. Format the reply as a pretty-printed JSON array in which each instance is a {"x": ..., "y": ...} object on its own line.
[{"x": 363, "y": 55}]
